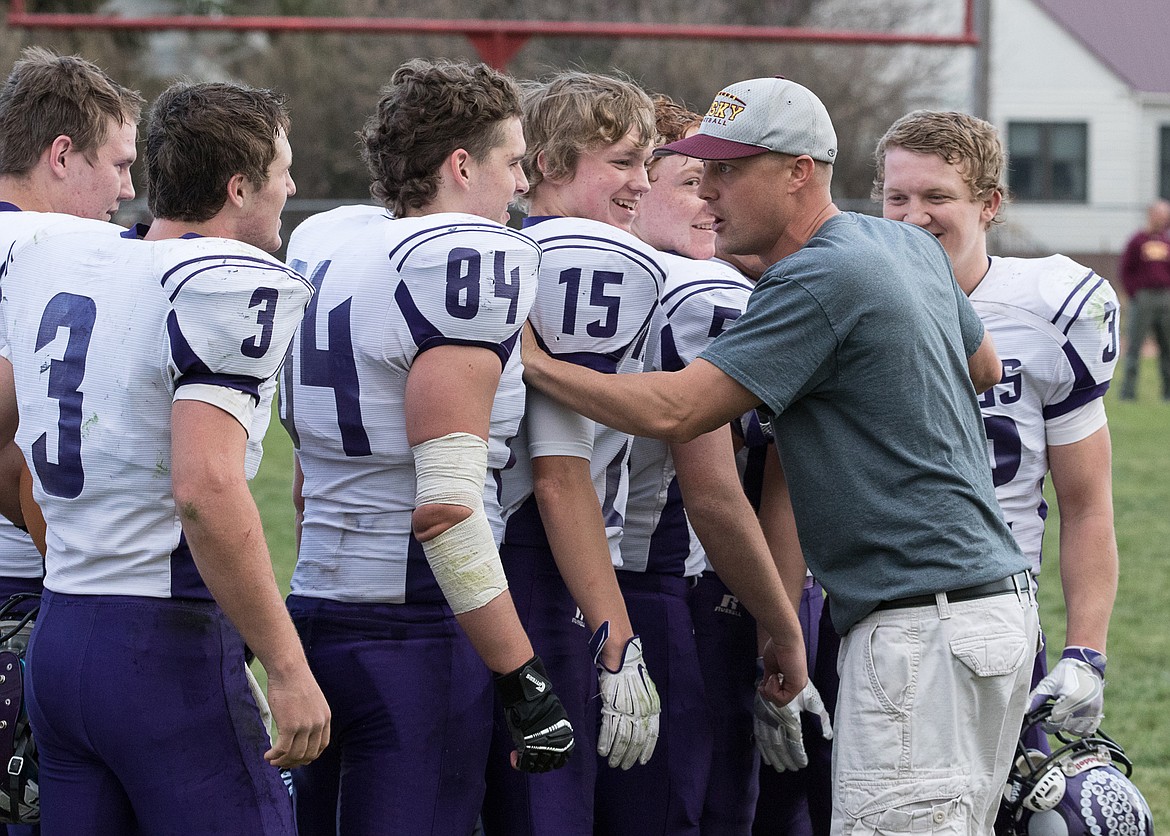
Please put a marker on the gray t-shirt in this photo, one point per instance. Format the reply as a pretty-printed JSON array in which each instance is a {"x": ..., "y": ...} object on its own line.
[{"x": 858, "y": 344}]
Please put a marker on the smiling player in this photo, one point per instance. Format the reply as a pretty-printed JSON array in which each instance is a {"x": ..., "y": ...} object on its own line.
[{"x": 1054, "y": 323}]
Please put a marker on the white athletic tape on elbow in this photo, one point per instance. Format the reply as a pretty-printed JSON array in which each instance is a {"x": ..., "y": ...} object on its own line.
[{"x": 464, "y": 559}]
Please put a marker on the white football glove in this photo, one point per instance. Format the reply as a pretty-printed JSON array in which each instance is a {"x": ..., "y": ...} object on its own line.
[
  {"x": 1076, "y": 685},
  {"x": 777, "y": 728},
  {"x": 629, "y": 705}
]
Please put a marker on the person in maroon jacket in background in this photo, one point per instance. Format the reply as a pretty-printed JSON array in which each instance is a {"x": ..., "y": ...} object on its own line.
[{"x": 1144, "y": 272}]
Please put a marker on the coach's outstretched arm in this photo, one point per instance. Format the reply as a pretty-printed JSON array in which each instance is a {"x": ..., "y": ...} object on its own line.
[
  {"x": 223, "y": 529},
  {"x": 984, "y": 366},
  {"x": 674, "y": 406}
]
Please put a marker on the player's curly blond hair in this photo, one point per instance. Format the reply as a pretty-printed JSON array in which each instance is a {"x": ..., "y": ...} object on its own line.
[
  {"x": 672, "y": 120},
  {"x": 575, "y": 112},
  {"x": 430, "y": 109},
  {"x": 961, "y": 139}
]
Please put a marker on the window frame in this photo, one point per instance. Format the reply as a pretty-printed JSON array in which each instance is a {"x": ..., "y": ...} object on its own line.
[{"x": 1046, "y": 161}]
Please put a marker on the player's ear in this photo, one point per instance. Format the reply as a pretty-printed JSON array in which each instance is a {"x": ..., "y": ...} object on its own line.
[
  {"x": 458, "y": 168},
  {"x": 991, "y": 207},
  {"x": 541, "y": 163},
  {"x": 57, "y": 154},
  {"x": 237, "y": 189}
]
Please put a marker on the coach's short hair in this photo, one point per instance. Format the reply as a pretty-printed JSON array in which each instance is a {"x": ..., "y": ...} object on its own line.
[
  {"x": 48, "y": 95},
  {"x": 576, "y": 112},
  {"x": 430, "y": 109},
  {"x": 672, "y": 121},
  {"x": 960, "y": 139}
]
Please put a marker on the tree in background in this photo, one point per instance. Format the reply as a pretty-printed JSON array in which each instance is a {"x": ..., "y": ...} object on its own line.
[{"x": 333, "y": 80}]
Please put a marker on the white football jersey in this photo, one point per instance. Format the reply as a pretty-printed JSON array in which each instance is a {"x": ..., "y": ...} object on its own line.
[
  {"x": 1054, "y": 324},
  {"x": 699, "y": 302},
  {"x": 262, "y": 416},
  {"x": 387, "y": 290},
  {"x": 19, "y": 558},
  {"x": 599, "y": 286},
  {"x": 105, "y": 332}
]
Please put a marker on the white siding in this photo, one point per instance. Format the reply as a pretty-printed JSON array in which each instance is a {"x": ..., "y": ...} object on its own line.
[{"x": 1039, "y": 72}]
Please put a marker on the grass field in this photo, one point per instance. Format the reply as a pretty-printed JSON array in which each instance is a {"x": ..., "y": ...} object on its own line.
[{"x": 1138, "y": 695}]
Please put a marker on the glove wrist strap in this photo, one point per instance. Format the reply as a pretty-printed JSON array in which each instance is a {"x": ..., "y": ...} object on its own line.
[
  {"x": 1087, "y": 655},
  {"x": 527, "y": 682}
]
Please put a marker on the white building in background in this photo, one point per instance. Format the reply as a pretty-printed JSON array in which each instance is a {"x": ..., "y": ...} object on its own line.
[{"x": 1080, "y": 90}]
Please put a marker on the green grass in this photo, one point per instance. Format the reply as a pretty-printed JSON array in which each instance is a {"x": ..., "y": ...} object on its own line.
[{"x": 1138, "y": 696}]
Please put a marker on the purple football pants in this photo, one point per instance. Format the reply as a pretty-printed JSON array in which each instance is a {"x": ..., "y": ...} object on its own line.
[
  {"x": 558, "y": 802},
  {"x": 725, "y": 634},
  {"x": 665, "y": 796},
  {"x": 411, "y": 705},
  {"x": 801, "y": 803},
  {"x": 145, "y": 722}
]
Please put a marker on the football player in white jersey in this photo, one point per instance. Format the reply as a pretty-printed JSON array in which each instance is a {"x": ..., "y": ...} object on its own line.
[
  {"x": 589, "y": 137},
  {"x": 402, "y": 393},
  {"x": 138, "y": 367},
  {"x": 67, "y": 140},
  {"x": 1054, "y": 323},
  {"x": 700, "y": 298}
]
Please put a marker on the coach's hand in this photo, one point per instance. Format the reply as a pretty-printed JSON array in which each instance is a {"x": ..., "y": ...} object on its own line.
[
  {"x": 1077, "y": 687},
  {"x": 536, "y": 719},
  {"x": 778, "y": 731},
  {"x": 629, "y": 704},
  {"x": 301, "y": 715}
]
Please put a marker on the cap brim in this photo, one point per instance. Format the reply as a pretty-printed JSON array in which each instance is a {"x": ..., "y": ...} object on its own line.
[{"x": 707, "y": 147}]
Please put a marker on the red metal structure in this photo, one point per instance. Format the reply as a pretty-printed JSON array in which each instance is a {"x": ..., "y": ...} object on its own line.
[{"x": 496, "y": 41}]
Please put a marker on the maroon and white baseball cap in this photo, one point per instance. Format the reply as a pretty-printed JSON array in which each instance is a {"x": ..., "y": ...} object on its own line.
[{"x": 760, "y": 115}]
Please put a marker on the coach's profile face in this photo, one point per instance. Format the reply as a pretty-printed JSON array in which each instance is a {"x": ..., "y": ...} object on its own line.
[{"x": 749, "y": 201}]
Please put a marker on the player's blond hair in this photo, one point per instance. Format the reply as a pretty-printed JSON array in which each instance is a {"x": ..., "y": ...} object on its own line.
[
  {"x": 960, "y": 139},
  {"x": 575, "y": 112},
  {"x": 48, "y": 95}
]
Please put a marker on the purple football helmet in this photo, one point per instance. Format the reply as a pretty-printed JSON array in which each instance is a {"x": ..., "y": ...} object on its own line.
[{"x": 1081, "y": 789}]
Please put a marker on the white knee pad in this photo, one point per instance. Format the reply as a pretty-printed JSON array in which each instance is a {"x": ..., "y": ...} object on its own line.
[{"x": 451, "y": 471}]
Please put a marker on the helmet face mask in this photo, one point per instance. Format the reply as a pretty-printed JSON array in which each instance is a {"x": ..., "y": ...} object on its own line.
[{"x": 1082, "y": 787}]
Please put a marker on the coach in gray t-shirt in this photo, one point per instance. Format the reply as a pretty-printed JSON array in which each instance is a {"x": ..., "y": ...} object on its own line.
[
  {"x": 863, "y": 362},
  {"x": 860, "y": 343}
]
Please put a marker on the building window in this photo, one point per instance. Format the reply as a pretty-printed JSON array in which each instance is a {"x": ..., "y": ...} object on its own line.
[
  {"x": 1164, "y": 160},
  {"x": 1048, "y": 161}
]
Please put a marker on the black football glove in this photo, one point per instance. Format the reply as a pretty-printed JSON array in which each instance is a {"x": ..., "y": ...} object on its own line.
[{"x": 540, "y": 729}]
